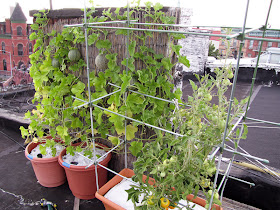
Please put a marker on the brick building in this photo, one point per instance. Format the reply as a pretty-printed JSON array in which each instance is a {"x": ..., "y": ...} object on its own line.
[
  {"x": 250, "y": 48},
  {"x": 14, "y": 41}
]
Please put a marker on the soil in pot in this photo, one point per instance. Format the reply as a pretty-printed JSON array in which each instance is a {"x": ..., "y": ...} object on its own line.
[{"x": 107, "y": 194}]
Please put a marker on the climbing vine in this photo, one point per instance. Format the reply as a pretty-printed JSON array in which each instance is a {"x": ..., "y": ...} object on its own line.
[{"x": 57, "y": 85}]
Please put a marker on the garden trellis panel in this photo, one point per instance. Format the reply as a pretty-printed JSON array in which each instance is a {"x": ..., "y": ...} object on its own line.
[{"x": 159, "y": 41}]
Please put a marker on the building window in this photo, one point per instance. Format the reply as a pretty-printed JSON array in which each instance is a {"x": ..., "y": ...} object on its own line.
[
  {"x": 279, "y": 44},
  {"x": 3, "y": 48},
  {"x": 259, "y": 45},
  {"x": 19, "y": 31},
  {"x": 249, "y": 55},
  {"x": 269, "y": 44},
  {"x": 4, "y": 65},
  {"x": 30, "y": 48},
  {"x": 14, "y": 64},
  {"x": 223, "y": 43},
  {"x": 20, "y": 49},
  {"x": 20, "y": 64},
  {"x": 251, "y": 44}
]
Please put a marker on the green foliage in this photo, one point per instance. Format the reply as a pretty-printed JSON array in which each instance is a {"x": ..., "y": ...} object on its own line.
[
  {"x": 212, "y": 51},
  {"x": 136, "y": 147},
  {"x": 182, "y": 163},
  {"x": 55, "y": 83}
]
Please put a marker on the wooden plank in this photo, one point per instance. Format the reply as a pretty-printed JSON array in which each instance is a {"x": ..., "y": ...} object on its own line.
[{"x": 76, "y": 204}]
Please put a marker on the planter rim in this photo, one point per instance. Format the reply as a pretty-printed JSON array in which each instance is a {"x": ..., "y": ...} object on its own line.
[
  {"x": 129, "y": 173},
  {"x": 35, "y": 159},
  {"x": 81, "y": 168}
]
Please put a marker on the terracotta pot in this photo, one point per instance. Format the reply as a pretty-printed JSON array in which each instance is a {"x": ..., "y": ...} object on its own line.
[
  {"x": 109, "y": 205},
  {"x": 82, "y": 182},
  {"x": 47, "y": 170}
]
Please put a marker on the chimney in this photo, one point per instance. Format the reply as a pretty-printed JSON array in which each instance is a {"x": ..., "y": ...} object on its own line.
[{"x": 8, "y": 26}]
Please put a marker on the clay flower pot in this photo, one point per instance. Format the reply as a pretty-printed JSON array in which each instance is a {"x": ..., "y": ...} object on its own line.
[
  {"x": 82, "y": 181},
  {"x": 109, "y": 205},
  {"x": 47, "y": 170}
]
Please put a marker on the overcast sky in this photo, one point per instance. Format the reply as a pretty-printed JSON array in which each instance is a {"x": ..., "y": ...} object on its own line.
[{"x": 205, "y": 12}]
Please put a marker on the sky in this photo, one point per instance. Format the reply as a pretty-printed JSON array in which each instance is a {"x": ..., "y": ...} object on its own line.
[{"x": 205, "y": 12}]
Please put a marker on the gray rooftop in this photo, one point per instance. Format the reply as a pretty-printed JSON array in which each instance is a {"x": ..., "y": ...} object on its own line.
[{"x": 18, "y": 14}]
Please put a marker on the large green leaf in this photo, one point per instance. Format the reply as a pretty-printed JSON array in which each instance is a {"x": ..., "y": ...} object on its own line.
[
  {"x": 114, "y": 140},
  {"x": 129, "y": 62},
  {"x": 62, "y": 131},
  {"x": 167, "y": 63},
  {"x": 78, "y": 88},
  {"x": 158, "y": 6},
  {"x": 136, "y": 147},
  {"x": 118, "y": 122},
  {"x": 134, "y": 99},
  {"x": 103, "y": 44},
  {"x": 77, "y": 123},
  {"x": 131, "y": 48},
  {"x": 176, "y": 48},
  {"x": 143, "y": 75},
  {"x": 126, "y": 81},
  {"x": 130, "y": 131},
  {"x": 92, "y": 38},
  {"x": 184, "y": 60}
]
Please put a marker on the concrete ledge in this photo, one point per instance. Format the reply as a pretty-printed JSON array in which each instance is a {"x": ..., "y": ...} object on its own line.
[{"x": 8, "y": 115}]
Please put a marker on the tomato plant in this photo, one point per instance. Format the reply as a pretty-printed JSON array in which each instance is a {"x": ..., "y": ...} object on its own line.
[{"x": 180, "y": 164}]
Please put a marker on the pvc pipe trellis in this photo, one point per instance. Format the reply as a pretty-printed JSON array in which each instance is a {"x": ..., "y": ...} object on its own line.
[{"x": 220, "y": 148}]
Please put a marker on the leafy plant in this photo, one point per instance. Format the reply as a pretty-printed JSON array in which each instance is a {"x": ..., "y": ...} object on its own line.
[
  {"x": 179, "y": 164},
  {"x": 60, "y": 88},
  {"x": 55, "y": 85}
]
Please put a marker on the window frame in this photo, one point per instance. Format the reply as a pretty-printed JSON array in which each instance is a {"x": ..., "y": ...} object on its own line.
[
  {"x": 5, "y": 65},
  {"x": 3, "y": 48},
  {"x": 20, "y": 52},
  {"x": 19, "y": 33}
]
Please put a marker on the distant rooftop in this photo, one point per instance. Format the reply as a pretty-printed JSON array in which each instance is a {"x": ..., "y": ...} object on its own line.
[
  {"x": 258, "y": 33},
  {"x": 17, "y": 14}
]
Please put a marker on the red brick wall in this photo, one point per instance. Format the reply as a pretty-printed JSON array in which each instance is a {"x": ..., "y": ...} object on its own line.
[
  {"x": 20, "y": 39},
  {"x": 14, "y": 41},
  {"x": 254, "y": 50},
  {"x": 8, "y": 26}
]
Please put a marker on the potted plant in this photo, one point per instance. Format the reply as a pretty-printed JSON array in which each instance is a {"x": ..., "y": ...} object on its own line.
[
  {"x": 56, "y": 70},
  {"x": 82, "y": 179},
  {"x": 43, "y": 150},
  {"x": 179, "y": 165},
  {"x": 43, "y": 155}
]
